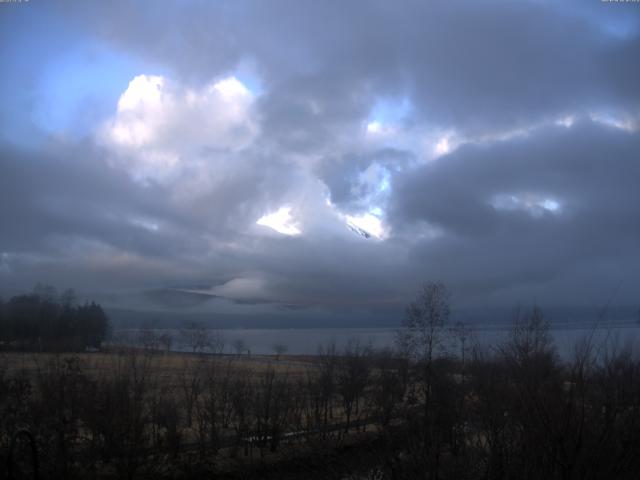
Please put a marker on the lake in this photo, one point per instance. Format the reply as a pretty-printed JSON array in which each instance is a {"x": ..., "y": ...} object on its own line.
[{"x": 307, "y": 341}]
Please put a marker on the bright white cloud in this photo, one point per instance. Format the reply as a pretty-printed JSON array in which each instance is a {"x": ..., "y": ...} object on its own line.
[
  {"x": 368, "y": 222},
  {"x": 139, "y": 111},
  {"x": 231, "y": 88},
  {"x": 143, "y": 91},
  {"x": 281, "y": 221},
  {"x": 159, "y": 125},
  {"x": 442, "y": 147}
]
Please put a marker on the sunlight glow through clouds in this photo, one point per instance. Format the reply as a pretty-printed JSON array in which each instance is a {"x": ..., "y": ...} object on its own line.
[
  {"x": 281, "y": 221},
  {"x": 369, "y": 223}
]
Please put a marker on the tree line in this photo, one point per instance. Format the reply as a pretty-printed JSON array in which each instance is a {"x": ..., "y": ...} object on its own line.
[{"x": 44, "y": 321}]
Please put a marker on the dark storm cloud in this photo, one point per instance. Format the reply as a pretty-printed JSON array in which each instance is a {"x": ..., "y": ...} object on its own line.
[
  {"x": 464, "y": 64},
  {"x": 308, "y": 113},
  {"x": 488, "y": 203},
  {"x": 471, "y": 64},
  {"x": 68, "y": 190},
  {"x": 588, "y": 168}
]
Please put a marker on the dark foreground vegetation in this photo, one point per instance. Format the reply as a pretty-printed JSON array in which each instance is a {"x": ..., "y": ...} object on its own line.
[
  {"x": 46, "y": 321},
  {"x": 437, "y": 407}
]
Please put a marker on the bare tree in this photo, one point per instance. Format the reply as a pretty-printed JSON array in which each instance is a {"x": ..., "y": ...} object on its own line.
[
  {"x": 271, "y": 403},
  {"x": 422, "y": 339},
  {"x": 462, "y": 335},
  {"x": 166, "y": 340},
  {"x": 148, "y": 339},
  {"x": 239, "y": 346},
  {"x": 191, "y": 382},
  {"x": 279, "y": 349},
  {"x": 389, "y": 384},
  {"x": 215, "y": 408},
  {"x": 530, "y": 337},
  {"x": 216, "y": 342},
  {"x": 241, "y": 394},
  {"x": 353, "y": 377},
  {"x": 326, "y": 382},
  {"x": 423, "y": 326},
  {"x": 422, "y": 334},
  {"x": 197, "y": 337}
]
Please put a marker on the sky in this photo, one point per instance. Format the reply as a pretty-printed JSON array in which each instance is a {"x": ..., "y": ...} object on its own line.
[{"x": 321, "y": 158}]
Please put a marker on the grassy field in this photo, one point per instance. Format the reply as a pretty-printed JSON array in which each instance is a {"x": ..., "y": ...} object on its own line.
[{"x": 165, "y": 363}]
